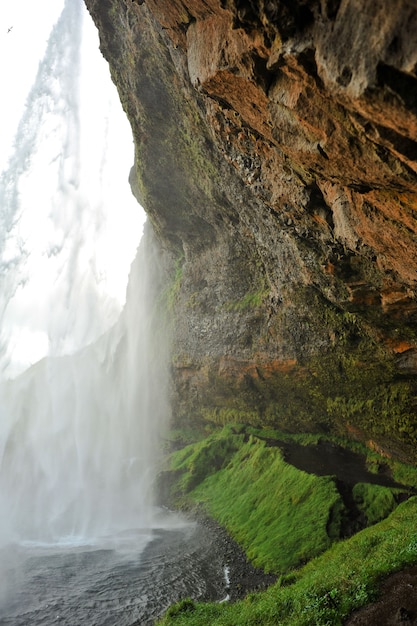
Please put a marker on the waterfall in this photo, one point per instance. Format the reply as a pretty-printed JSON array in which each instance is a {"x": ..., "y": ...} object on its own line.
[
  {"x": 79, "y": 432},
  {"x": 78, "y": 428}
]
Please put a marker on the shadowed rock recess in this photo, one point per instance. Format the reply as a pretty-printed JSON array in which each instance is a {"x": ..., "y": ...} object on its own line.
[{"x": 276, "y": 157}]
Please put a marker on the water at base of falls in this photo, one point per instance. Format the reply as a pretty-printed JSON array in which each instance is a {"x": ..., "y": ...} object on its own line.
[
  {"x": 80, "y": 429},
  {"x": 126, "y": 579}
]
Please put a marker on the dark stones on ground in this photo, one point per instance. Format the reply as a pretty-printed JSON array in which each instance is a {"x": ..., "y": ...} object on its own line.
[{"x": 244, "y": 577}]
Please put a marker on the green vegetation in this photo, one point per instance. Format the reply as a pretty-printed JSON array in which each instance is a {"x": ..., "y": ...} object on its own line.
[
  {"x": 174, "y": 289},
  {"x": 250, "y": 300},
  {"x": 326, "y": 590},
  {"x": 289, "y": 522},
  {"x": 404, "y": 474},
  {"x": 277, "y": 513},
  {"x": 223, "y": 416},
  {"x": 202, "y": 459},
  {"x": 375, "y": 501}
]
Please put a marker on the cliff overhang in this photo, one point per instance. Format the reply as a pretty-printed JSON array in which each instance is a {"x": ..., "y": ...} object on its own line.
[{"x": 276, "y": 157}]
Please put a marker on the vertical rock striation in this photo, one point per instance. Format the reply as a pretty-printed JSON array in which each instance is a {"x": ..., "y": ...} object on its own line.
[{"x": 276, "y": 156}]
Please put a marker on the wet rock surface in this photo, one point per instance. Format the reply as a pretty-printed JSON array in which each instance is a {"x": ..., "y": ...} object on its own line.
[
  {"x": 275, "y": 158},
  {"x": 244, "y": 577}
]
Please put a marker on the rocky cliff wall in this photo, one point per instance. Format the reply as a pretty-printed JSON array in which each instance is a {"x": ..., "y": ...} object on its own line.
[{"x": 276, "y": 156}]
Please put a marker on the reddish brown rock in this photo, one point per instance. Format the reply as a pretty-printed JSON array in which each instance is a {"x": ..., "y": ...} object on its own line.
[{"x": 276, "y": 155}]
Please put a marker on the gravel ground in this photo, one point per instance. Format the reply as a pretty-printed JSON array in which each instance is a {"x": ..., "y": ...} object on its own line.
[{"x": 244, "y": 577}]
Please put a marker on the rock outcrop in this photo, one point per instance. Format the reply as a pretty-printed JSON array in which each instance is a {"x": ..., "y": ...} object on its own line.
[{"x": 276, "y": 156}]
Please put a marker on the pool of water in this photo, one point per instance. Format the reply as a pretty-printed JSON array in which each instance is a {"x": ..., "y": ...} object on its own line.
[{"x": 126, "y": 579}]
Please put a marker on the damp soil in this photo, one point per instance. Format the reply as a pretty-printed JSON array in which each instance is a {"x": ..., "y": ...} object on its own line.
[{"x": 397, "y": 603}]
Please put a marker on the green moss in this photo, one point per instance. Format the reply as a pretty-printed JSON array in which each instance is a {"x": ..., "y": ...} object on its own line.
[
  {"x": 284, "y": 517},
  {"x": 183, "y": 606},
  {"x": 249, "y": 301},
  {"x": 223, "y": 416},
  {"x": 276, "y": 512},
  {"x": 280, "y": 515},
  {"x": 375, "y": 501},
  {"x": 403, "y": 473},
  {"x": 327, "y": 589},
  {"x": 351, "y": 383},
  {"x": 204, "y": 458},
  {"x": 175, "y": 287},
  {"x": 278, "y": 400}
]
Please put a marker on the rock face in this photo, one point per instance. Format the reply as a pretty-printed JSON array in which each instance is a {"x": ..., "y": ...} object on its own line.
[{"x": 276, "y": 156}]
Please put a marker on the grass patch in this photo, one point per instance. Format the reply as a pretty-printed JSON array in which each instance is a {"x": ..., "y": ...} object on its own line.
[
  {"x": 375, "y": 501},
  {"x": 403, "y": 473},
  {"x": 199, "y": 460},
  {"x": 289, "y": 523},
  {"x": 276, "y": 512},
  {"x": 326, "y": 590}
]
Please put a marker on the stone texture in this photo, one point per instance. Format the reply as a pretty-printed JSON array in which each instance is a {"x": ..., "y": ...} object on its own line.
[{"x": 276, "y": 155}]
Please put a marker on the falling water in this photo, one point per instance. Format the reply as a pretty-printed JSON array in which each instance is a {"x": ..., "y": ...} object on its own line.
[
  {"x": 76, "y": 429},
  {"x": 77, "y": 453},
  {"x": 82, "y": 376}
]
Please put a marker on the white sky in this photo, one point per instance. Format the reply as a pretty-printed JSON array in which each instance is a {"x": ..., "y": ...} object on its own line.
[{"x": 108, "y": 214}]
